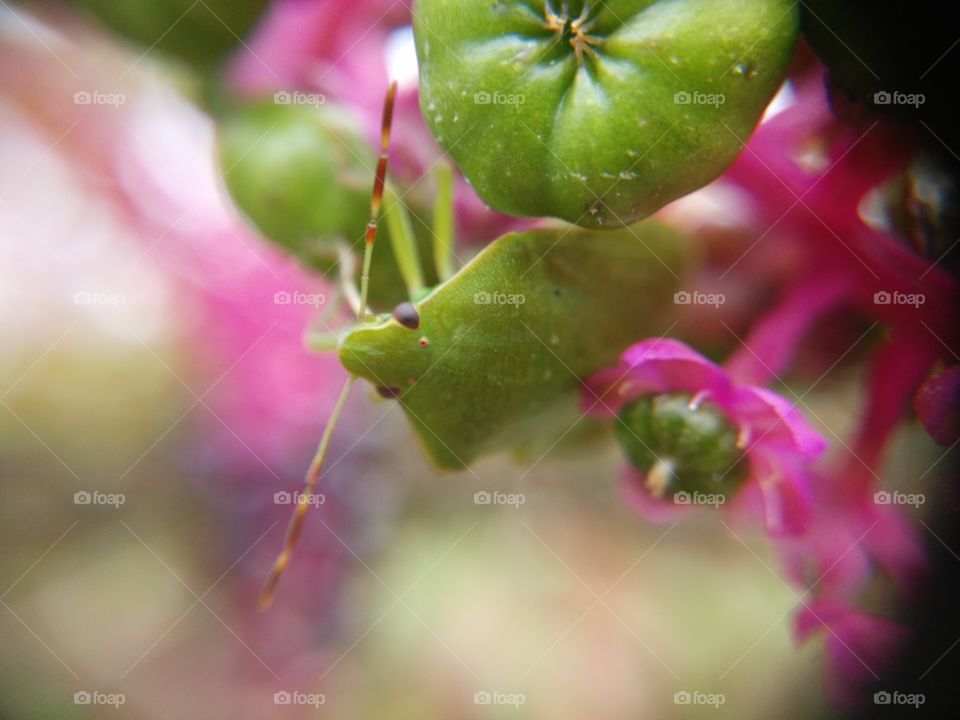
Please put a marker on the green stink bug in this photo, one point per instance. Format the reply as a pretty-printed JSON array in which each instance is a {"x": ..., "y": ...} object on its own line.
[{"x": 494, "y": 355}]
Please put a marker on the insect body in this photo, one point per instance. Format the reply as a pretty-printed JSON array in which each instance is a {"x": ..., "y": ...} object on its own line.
[
  {"x": 510, "y": 336},
  {"x": 493, "y": 356}
]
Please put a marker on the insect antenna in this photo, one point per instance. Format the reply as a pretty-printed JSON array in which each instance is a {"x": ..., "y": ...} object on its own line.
[
  {"x": 305, "y": 499},
  {"x": 377, "y": 197}
]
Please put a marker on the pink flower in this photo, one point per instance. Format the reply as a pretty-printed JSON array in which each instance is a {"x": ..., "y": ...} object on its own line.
[
  {"x": 859, "y": 647},
  {"x": 937, "y": 404},
  {"x": 769, "y": 459},
  {"x": 807, "y": 177}
]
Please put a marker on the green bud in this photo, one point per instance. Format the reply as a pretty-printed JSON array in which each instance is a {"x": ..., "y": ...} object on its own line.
[
  {"x": 199, "y": 33},
  {"x": 682, "y": 445},
  {"x": 295, "y": 171}
]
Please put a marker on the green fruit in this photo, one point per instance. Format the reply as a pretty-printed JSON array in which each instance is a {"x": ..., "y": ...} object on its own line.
[
  {"x": 200, "y": 33},
  {"x": 303, "y": 176},
  {"x": 597, "y": 113},
  {"x": 683, "y": 449},
  {"x": 300, "y": 174}
]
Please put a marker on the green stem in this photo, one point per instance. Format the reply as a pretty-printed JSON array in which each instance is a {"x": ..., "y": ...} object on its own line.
[
  {"x": 443, "y": 221},
  {"x": 404, "y": 243}
]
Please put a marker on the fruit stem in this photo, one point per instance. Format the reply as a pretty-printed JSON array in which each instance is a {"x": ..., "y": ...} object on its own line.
[{"x": 443, "y": 221}]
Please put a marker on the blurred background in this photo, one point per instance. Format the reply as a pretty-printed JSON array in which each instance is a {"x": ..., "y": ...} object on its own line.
[{"x": 154, "y": 397}]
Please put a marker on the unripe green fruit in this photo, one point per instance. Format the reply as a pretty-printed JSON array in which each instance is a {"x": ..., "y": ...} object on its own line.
[
  {"x": 597, "y": 113},
  {"x": 296, "y": 172},
  {"x": 303, "y": 176},
  {"x": 200, "y": 33},
  {"x": 681, "y": 446}
]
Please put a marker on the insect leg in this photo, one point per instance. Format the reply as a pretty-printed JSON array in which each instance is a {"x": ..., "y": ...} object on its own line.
[{"x": 347, "y": 265}]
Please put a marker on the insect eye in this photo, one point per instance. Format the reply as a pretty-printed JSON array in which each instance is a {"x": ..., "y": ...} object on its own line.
[
  {"x": 388, "y": 392},
  {"x": 406, "y": 314}
]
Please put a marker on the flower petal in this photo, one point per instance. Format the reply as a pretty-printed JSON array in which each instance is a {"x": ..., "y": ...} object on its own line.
[
  {"x": 778, "y": 493},
  {"x": 775, "y": 423},
  {"x": 640, "y": 500},
  {"x": 657, "y": 365},
  {"x": 937, "y": 404},
  {"x": 860, "y": 647}
]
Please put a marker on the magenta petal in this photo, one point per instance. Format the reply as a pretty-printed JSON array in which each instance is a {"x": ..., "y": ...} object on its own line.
[
  {"x": 609, "y": 389},
  {"x": 777, "y": 493},
  {"x": 774, "y": 340},
  {"x": 776, "y": 424},
  {"x": 860, "y": 647},
  {"x": 673, "y": 366},
  {"x": 894, "y": 545},
  {"x": 637, "y": 498},
  {"x": 937, "y": 404},
  {"x": 840, "y": 564},
  {"x": 655, "y": 366}
]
